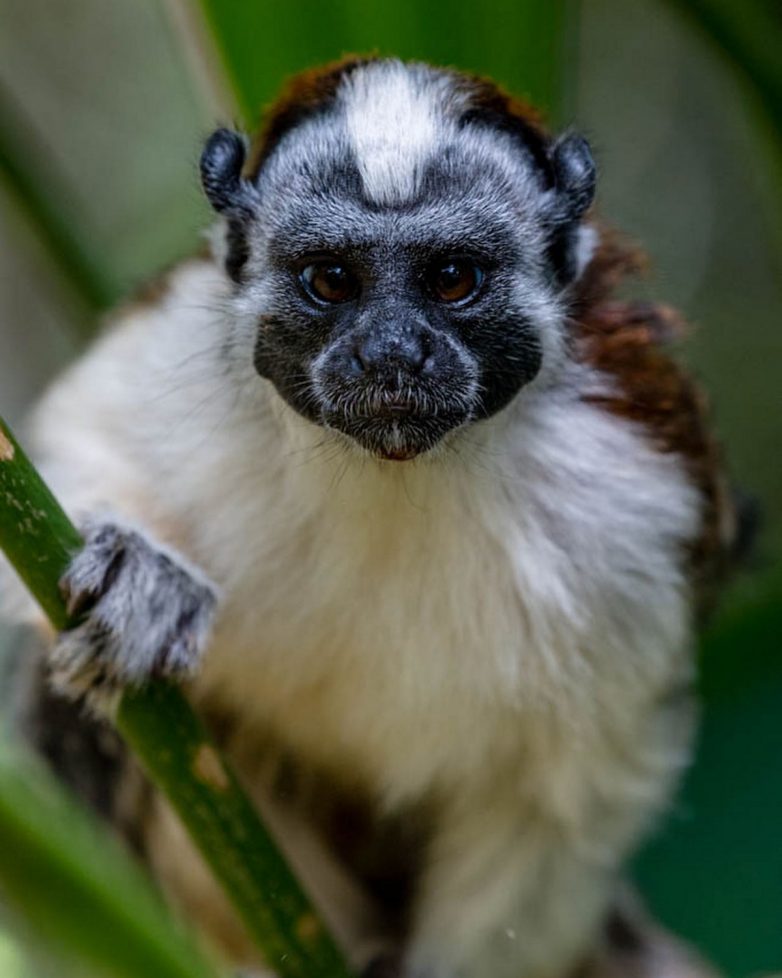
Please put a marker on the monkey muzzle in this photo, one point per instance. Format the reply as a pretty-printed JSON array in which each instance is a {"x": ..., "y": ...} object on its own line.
[{"x": 397, "y": 392}]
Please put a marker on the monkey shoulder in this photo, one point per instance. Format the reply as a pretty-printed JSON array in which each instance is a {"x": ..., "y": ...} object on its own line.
[{"x": 634, "y": 344}]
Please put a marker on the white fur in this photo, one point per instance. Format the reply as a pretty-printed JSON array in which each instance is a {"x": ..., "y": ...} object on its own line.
[
  {"x": 586, "y": 244},
  {"x": 393, "y": 128},
  {"x": 497, "y": 624}
]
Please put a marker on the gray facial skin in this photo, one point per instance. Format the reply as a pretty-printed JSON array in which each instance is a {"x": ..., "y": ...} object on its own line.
[{"x": 393, "y": 355}]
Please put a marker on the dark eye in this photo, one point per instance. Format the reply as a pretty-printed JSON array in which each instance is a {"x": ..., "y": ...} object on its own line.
[
  {"x": 328, "y": 281},
  {"x": 455, "y": 279}
]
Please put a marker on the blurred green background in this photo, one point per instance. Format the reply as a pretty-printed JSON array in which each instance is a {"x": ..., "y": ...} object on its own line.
[{"x": 103, "y": 107}]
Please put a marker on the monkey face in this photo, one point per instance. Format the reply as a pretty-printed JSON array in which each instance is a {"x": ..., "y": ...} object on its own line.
[
  {"x": 396, "y": 327},
  {"x": 404, "y": 275},
  {"x": 387, "y": 376}
]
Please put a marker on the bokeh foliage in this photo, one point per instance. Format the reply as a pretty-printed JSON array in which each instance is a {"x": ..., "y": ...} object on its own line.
[
  {"x": 690, "y": 163},
  {"x": 524, "y": 45}
]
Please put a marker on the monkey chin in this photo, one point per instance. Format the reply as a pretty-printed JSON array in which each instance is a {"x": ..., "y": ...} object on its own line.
[
  {"x": 403, "y": 442},
  {"x": 399, "y": 454},
  {"x": 399, "y": 440}
]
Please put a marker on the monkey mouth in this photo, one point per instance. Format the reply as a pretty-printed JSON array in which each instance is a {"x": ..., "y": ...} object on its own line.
[
  {"x": 396, "y": 433},
  {"x": 394, "y": 421}
]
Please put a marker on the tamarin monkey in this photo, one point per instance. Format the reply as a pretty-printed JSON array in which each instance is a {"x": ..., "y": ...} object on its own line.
[{"x": 420, "y": 511}]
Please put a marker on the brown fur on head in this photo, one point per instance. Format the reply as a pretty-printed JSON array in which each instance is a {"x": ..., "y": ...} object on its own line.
[
  {"x": 312, "y": 90},
  {"x": 305, "y": 93}
]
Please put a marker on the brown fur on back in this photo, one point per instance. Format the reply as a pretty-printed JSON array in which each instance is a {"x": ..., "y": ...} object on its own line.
[{"x": 631, "y": 341}]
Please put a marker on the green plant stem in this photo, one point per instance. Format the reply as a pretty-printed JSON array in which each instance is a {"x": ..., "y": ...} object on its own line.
[
  {"x": 35, "y": 534},
  {"x": 175, "y": 749}
]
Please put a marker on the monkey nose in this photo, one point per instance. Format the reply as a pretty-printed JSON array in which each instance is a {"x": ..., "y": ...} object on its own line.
[{"x": 385, "y": 356}]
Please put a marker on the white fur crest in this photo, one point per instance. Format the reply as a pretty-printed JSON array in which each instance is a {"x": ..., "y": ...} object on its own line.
[{"x": 393, "y": 128}]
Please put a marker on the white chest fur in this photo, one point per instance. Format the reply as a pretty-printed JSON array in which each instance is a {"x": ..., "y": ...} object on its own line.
[{"x": 412, "y": 620}]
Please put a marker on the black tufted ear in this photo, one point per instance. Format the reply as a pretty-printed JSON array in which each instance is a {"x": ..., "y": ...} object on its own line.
[
  {"x": 221, "y": 174},
  {"x": 229, "y": 193},
  {"x": 574, "y": 176}
]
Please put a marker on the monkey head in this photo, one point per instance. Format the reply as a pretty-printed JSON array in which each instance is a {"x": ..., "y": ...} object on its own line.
[{"x": 401, "y": 239}]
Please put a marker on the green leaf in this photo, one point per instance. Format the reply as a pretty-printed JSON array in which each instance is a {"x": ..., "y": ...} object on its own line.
[
  {"x": 78, "y": 888},
  {"x": 750, "y": 34},
  {"x": 714, "y": 872},
  {"x": 37, "y": 191},
  {"x": 525, "y": 44},
  {"x": 12, "y": 959}
]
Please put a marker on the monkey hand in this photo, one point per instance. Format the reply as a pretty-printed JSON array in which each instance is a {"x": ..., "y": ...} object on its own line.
[{"x": 143, "y": 612}]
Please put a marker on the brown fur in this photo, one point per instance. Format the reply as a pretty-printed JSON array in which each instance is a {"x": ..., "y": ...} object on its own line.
[
  {"x": 303, "y": 95},
  {"x": 488, "y": 96},
  {"x": 631, "y": 342},
  {"x": 491, "y": 103},
  {"x": 310, "y": 91}
]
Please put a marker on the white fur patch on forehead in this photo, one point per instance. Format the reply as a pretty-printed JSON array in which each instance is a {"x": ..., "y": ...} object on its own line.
[{"x": 392, "y": 121}]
